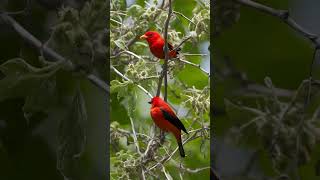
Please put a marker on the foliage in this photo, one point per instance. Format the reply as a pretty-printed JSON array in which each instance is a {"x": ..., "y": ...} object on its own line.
[
  {"x": 278, "y": 124},
  {"x": 50, "y": 95},
  {"x": 135, "y": 149},
  {"x": 226, "y": 13}
]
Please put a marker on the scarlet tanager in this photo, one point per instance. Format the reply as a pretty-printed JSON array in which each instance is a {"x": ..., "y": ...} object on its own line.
[
  {"x": 165, "y": 118},
  {"x": 156, "y": 45}
]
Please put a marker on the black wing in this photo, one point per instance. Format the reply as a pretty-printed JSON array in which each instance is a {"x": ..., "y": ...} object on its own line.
[
  {"x": 171, "y": 48},
  {"x": 173, "y": 120}
]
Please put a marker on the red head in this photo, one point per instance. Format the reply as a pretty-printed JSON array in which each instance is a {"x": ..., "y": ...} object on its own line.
[
  {"x": 156, "y": 101},
  {"x": 151, "y": 36}
]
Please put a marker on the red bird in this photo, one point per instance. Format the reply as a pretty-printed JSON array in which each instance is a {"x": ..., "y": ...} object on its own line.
[
  {"x": 156, "y": 45},
  {"x": 164, "y": 117}
]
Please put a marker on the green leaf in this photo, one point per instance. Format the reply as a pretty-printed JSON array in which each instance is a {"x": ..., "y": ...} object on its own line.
[
  {"x": 72, "y": 138},
  {"x": 121, "y": 44},
  {"x": 135, "y": 10},
  {"x": 40, "y": 101},
  {"x": 141, "y": 2},
  {"x": 268, "y": 82},
  {"x": 142, "y": 44},
  {"x": 132, "y": 99},
  {"x": 117, "y": 86},
  {"x": 21, "y": 79}
]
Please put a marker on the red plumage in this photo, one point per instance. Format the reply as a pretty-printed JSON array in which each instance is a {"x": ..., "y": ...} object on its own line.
[
  {"x": 156, "y": 45},
  {"x": 165, "y": 118}
]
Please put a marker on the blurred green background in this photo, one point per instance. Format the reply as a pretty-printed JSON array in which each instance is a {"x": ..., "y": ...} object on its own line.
[
  {"x": 32, "y": 134},
  {"x": 250, "y": 47}
]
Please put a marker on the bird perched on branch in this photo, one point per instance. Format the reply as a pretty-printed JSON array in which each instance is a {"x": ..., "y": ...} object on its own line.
[
  {"x": 156, "y": 45},
  {"x": 165, "y": 118}
]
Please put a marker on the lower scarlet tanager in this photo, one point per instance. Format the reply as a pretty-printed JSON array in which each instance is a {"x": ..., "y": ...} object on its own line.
[
  {"x": 156, "y": 45},
  {"x": 165, "y": 118}
]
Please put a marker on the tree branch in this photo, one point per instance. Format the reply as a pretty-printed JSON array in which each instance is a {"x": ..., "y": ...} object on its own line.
[
  {"x": 168, "y": 157},
  {"x": 195, "y": 65},
  {"x": 301, "y": 122},
  {"x": 182, "y": 42},
  {"x": 187, "y": 62},
  {"x": 310, "y": 76},
  {"x": 189, "y": 170},
  {"x": 36, "y": 43},
  {"x": 179, "y": 13},
  {"x": 284, "y": 16},
  {"x": 23, "y": 11},
  {"x": 166, "y": 50},
  {"x": 123, "y": 131},
  {"x": 189, "y": 54},
  {"x": 214, "y": 174},
  {"x": 135, "y": 139}
]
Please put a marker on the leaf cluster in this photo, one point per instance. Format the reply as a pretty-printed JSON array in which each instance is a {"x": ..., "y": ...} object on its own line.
[{"x": 284, "y": 129}]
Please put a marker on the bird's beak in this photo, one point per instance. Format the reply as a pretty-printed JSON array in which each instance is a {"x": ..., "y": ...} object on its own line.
[
  {"x": 143, "y": 37},
  {"x": 149, "y": 102}
]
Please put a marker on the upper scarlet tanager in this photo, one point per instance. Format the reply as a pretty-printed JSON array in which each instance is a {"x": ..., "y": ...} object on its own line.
[
  {"x": 164, "y": 117},
  {"x": 156, "y": 45}
]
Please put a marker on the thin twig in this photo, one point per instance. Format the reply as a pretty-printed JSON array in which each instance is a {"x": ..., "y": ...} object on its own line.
[
  {"x": 117, "y": 51},
  {"x": 149, "y": 77},
  {"x": 176, "y": 12},
  {"x": 98, "y": 82},
  {"x": 187, "y": 62},
  {"x": 127, "y": 79},
  {"x": 150, "y": 143},
  {"x": 123, "y": 131},
  {"x": 195, "y": 54},
  {"x": 182, "y": 42},
  {"x": 311, "y": 75},
  {"x": 305, "y": 106},
  {"x": 126, "y": 52},
  {"x": 35, "y": 42},
  {"x": 143, "y": 174},
  {"x": 293, "y": 100},
  {"x": 189, "y": 170},
  {"x": 162, "y": 4},
  {"x": 23, "y": 11},
  {"x": 135, "y": 139},
  {"x": 284, "y": 16},
  {"x": 133, "y": 54},
  {"x": 259, "y": 89},
  {"x": 168, "y": 157},
  {"x": 165, "y": 173},
  {"x": 195, "y": 65},
  {"x": 214, "y": 174}
]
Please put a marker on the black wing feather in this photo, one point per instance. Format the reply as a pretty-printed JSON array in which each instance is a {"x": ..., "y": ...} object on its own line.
[
  {"x": 171, "y": 48},
  {"x": 173, "y": 120}
]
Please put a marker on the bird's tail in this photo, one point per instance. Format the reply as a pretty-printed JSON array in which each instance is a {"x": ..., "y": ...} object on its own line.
[{"x": 181, "y": 150}]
